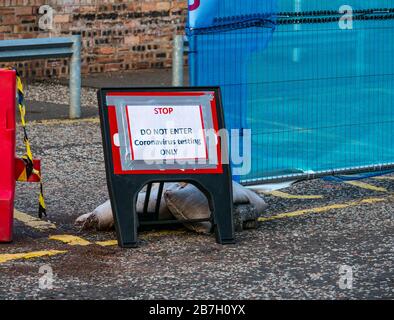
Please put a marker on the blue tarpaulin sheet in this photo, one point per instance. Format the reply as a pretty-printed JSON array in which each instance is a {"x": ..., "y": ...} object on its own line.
[{"x": 314, "y": 87}]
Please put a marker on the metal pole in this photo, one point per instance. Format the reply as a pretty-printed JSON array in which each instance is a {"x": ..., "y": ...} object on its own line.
[
  {"x": 75, "y": 79},
  {"x": 177, "y": 61}
]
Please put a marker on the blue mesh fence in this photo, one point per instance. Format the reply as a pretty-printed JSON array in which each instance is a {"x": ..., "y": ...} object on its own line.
[{"x": 314, "y": 86}]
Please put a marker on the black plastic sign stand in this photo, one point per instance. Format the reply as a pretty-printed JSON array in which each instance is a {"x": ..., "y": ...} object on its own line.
[{"x": 124, "y": 188}]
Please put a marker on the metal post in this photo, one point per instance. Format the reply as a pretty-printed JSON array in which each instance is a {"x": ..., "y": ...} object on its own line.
[
  {"x": 75, "y": 79},
  {"x": 177, "y": 61}
]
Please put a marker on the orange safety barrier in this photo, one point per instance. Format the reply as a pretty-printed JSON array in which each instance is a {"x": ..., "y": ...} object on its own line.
[
  {"x": 11, "y": 168},
  {"x": 7, "y": 152}
]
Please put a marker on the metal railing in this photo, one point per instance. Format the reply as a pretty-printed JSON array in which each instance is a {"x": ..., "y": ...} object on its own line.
[
  {"x": 44, "y": 48},
  {"x": 180, "y": 48}
]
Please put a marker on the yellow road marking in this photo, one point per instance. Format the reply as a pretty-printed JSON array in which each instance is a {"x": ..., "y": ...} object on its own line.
[
  {"x": 384, "y": 178},
  {"x": 28, "y": 255},
  {"x": 70, "y": 240},
  {"x": 33, "y": 222},
  {"x": 323, "y": 209},
  {"x": 285, "y": 195},
  {"x": 107, "y": 243},
  {"x": 367, "y": 186},
  {"x": 145, "y": 235},
  {"x": 64, "y": 121}
]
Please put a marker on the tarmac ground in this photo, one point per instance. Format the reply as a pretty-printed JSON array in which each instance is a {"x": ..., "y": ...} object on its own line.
[{"x": 317, "y": 240}]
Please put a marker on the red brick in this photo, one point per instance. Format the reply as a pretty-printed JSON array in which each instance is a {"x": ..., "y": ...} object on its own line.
[
  {"x": 106, "y": 50},
  {"x": 118, "y": 42},
  {"x": 64, "y": 18},
  {"x": 23, "y": 11}
]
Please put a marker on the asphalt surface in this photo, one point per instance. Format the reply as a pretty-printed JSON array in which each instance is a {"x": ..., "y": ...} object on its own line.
[{"x": 299, "y": 255}]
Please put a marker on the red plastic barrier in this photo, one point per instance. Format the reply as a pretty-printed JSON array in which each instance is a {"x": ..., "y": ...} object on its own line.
[
  {"x": 20, "y": 171},
  {"x": 7, "y": 152}
]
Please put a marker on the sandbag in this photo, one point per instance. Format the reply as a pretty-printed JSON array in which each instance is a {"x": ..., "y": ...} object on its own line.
[
  {"x": 187, "y": 202},
  {"x": 184, "y": 202},
  {"x": 102, "y": 218},
  {"x": 243, "y": 195}
]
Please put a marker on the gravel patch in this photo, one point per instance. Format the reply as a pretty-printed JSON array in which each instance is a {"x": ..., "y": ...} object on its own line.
[
  {"x": 54, "y": 92},
  {"x": 294, "y": 258}
]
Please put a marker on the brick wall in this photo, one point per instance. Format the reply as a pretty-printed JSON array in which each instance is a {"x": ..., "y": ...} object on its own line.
[{"x": 116, "y": 34}]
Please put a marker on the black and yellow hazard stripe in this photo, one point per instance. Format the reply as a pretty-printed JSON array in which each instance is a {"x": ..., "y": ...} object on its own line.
[{"x": 28, "y": 156}]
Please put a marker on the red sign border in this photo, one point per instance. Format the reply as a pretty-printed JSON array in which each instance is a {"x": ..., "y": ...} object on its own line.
[{"x": 117, "y": 165}]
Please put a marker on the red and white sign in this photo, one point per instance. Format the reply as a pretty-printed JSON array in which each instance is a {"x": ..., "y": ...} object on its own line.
[{"x": 166, "y": 132}]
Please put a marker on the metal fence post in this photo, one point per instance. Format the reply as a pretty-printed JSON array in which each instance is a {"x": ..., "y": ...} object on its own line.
[
  {"x": 177, "y": 61},
  {"x": 75, "y": 79}
]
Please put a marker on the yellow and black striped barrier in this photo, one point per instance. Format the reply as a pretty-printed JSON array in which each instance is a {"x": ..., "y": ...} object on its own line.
[{"x": 30, "y": 172}]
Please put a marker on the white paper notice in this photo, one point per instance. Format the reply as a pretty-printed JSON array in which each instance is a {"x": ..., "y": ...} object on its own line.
[{"x": 166, "y": 132}]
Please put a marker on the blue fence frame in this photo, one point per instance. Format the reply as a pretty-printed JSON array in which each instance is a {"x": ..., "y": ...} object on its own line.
[{"x": 316, "y": 96}]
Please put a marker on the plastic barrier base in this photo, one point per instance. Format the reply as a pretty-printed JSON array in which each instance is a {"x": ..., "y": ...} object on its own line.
[{"x": 6, "y": 212}]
